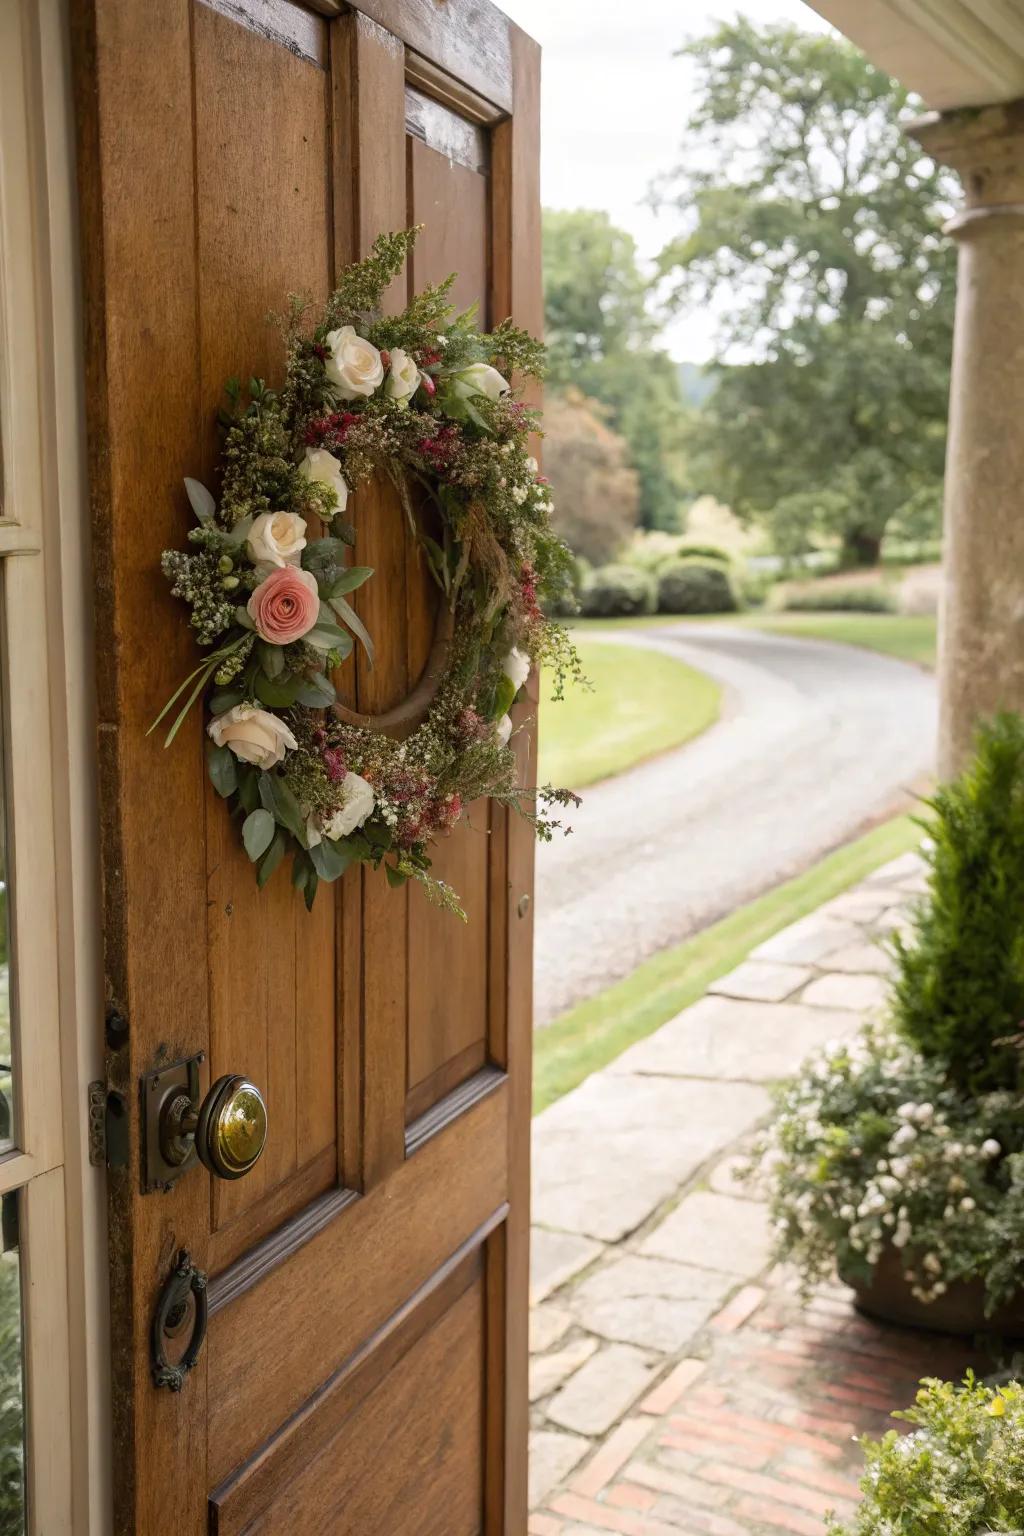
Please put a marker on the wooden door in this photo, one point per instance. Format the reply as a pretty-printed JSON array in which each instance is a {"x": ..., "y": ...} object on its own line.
[{"x": 364, "y": 1370}]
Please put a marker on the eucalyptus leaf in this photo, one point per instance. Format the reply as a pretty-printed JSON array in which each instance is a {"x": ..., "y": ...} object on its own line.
[
  {"x": 271, "y": 660},
  {"x": 240, "y": 532},
  {"x": 278, "y": 799},
  {"x": 258, "y": 833},
  {"x": 242, "y": 618},
  {"x": 248, "y": 788},
  {"x": 200, "y": 500},
  {"x": 272, "y": 858},
  {"x": 348, "y": 616},
  {"x": 329, "y": 859},
  {"x": 328, "y": 637},
  {"x": 312, "y": 881},
  {"x": 278, "y": 695},
  {"x": 316, "y": 691},
  {"x": 223, "y": 770},
  {"x": 396, "y": 877},
  {"x": 350, "y": 579},
  {"x": 226, "y": 699}
]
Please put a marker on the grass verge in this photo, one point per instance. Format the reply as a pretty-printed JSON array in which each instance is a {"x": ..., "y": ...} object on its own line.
[
  {"x": 640, "y": 703},
  {"x": 908, "y": 636},
  {"x": 596, "y": 1031}
]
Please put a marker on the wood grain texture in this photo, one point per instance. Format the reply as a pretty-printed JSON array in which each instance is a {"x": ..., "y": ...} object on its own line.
[
  {"x": 471, "y": 40},
  {"x": 420, "y": 1429},
  {"x": 517, "y": 291},
  {"x": 359, "y": 1270},
  {"x": 140, "y": 293}
]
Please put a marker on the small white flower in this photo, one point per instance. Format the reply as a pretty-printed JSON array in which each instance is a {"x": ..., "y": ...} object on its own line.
[
  {"x": 991, "y": 1148},
  {"x": 906, "y": 1112},
  {"x": 968, "y": 1204},
  {"x": 519, "y": 494},
  {"x": 903, "y": 1137},
  {"x": 276, "y": 539},
  {"x": 403, "y": 378},
  {"x": 503, "y": 730},
  {"x": 532, "y": 465},
  {"x": 516, "y": 667},
  {"x": 323, "y": 467},
  {"x": 924, "y": 1114}
]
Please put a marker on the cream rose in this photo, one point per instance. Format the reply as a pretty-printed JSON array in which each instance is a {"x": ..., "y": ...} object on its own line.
[
  {"x": 353, "y": 365},
  {"x": 277, "y": 538},
  {"x": 359, "y": 803},
  {"x": 403, "y": 379},
  {"x": 481, "y": 379},
  {"x": 325, "y": 469},
  {"x": 253, "y": 735},
  {"x": 516, "y": 667},
  {"x": 504, "y": 730}
]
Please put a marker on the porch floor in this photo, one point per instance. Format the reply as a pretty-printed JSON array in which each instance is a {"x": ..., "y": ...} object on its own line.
[{"x": 679, "y": 1385}]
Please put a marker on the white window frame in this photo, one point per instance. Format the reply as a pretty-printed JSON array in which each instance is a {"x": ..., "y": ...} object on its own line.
[{"x": 47, "y": 695}]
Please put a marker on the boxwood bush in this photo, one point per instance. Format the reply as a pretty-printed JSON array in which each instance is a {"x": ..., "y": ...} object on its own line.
[
  {"x": 687, "y": 588},
  {"x": 837, "y": 599},
  {"x": 959, "y": 1473},
  {"x": 618, "y": 592}
]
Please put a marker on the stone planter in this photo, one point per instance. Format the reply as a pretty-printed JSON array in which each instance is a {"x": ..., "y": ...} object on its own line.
[{"x": 961, "y": 1310}]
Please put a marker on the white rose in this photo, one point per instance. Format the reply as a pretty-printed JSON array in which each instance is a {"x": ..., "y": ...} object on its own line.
[
  {"x": 516, "y": 667},
  {"x": 323, "y": 467},
  {"x": 254, "y": 735},
  {"x": 481, "y": 379},
  {"x": 532, "y": 465},
  {"x": 354, "y": 366},
  {"x": 504, "y": 730},
  {"x": 277, "y": 538},
  {"x": 358, "y": 804},
  {"x": 404, "y": 378}
]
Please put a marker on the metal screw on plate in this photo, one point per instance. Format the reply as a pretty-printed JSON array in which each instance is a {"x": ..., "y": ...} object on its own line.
[{"x": 524, "y": 906}]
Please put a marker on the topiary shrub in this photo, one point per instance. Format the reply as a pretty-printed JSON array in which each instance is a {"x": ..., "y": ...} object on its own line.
[
  {"x": 960, "y": 1473},
  {"x": 703, "y": 552},
  {"x": 959, "y": 990},
  {"x": 618, "y": 592},
  {"x": 836, "y": 599},
  {"x": 686, "y": 588}
]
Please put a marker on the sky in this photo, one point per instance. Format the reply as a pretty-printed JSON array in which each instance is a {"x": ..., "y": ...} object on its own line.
[{"x": 613, "y": 107}]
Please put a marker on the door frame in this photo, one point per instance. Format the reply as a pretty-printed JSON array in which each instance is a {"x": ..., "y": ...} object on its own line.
[{"x": 52, "y": 803}]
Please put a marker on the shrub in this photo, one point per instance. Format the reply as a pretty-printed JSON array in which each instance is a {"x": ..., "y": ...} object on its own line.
[
  {"x": 873, "y": 1147},
  {"x": 959, "y": 989},
  {"x": 703, "y": 552},
  {"x": 837, "y": 599},
  {"x": 960, "y": 1473},
  {"x": 686, "y": 588},
  {"x": 618, "y": 591}
]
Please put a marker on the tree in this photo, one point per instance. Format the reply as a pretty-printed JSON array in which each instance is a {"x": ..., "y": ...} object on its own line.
[
  {"x": 596, "y": 493},
  {"x": 600, "y": 334},
  {"x": 815, "y": 223}
]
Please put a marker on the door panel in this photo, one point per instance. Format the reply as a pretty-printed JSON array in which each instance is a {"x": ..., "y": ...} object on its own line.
[{"x": 365, "y": 1365}]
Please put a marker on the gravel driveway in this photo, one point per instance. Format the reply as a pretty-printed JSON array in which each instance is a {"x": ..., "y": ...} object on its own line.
[{"x": 815, "y": 740}]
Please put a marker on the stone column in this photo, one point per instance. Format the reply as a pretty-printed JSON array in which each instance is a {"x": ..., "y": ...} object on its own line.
[{"x": 981, "y": 649}]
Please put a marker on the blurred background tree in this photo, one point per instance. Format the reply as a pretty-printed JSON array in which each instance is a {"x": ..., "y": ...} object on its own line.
[
  {"x": 596, "y": 491},
  {"x": 600, "y": 335},
  {"x": 814, "y": 224}
]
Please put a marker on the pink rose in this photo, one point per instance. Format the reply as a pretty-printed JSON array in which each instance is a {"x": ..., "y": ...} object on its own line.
[{"x": 285, "y": 606}]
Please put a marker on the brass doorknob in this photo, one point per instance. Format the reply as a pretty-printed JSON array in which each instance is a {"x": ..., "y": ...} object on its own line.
[{"x": 228, "y": 1130}]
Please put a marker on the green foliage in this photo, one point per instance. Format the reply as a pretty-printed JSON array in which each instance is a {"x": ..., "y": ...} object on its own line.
[
  {"x": 12, "y": 1452},
  {"x": 687, "y": 588},
  {"x": 830, "y": 598},
  {"x": 595, "y": 489},
  {"x": 805, "y": 202},
  {"x": 600, "y": 338},
  {"x": 618, "y": 591},
  {"x": 960, "y": 1473},
  {"x": 873, "y": 1147},
  {"x": 959, "y": 990}
]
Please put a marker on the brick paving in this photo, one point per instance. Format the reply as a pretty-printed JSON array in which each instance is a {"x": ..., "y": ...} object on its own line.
[{"x": 679, "y": 1384}]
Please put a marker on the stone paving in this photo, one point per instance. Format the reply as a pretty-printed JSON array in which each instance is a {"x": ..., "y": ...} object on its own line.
[{"x": 679, "y": 1386}]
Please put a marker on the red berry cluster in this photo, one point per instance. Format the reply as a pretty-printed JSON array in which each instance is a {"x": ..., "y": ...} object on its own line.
[
  {"x": 442, "y": 451},
  {"x": 328, "y": 431}
]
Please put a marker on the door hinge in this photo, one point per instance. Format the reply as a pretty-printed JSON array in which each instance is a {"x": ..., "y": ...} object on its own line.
[{"x": 108, "y": 1127}]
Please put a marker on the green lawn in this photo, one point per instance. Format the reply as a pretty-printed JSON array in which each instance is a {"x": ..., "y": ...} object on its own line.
[
  {"x": 595, "y": 1032},
  {"x": 640, "y": 703},
  {"x": 910, "y": 636}
]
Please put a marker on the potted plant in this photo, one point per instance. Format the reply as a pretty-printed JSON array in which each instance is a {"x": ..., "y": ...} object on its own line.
[
  {"x": 900, "y": 1157},
  {"x": 959, "y": 1473}
]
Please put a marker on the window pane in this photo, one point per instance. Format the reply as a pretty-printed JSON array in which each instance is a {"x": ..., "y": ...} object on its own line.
[{"x": 12, "y": 1403}]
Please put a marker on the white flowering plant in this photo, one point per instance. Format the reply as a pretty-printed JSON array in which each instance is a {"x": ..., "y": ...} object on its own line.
[
  {"x": 960, "y": 1472},
  {"x": 873, "y": 1148},
  {"x": 424, "y": 401}
]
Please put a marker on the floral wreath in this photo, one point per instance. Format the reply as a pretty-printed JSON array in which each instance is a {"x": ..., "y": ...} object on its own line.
[{"x": 420, "y": 397}]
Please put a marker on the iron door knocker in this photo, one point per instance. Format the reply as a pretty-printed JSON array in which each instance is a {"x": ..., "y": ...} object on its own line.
[{"x": 184, "y": 1282}]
